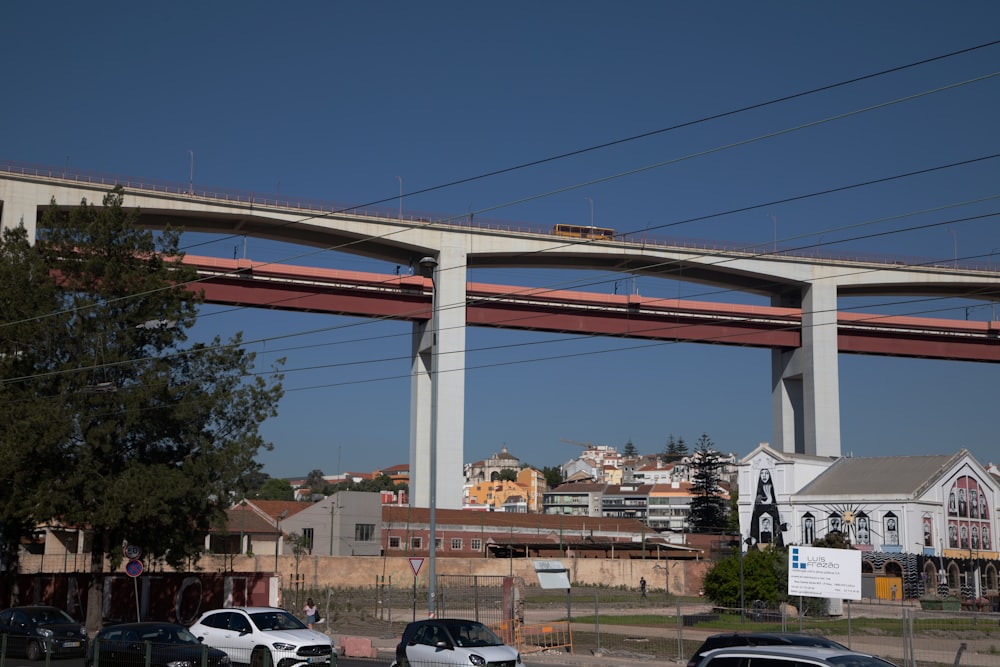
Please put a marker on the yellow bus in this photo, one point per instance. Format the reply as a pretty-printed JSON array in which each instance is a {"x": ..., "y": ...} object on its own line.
[{"x": 584, "y": 232}]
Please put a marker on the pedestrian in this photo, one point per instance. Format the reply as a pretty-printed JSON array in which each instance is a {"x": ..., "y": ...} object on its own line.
[
  {"x": 642, "y": 587},
  {"x": 310, "y": 610}
]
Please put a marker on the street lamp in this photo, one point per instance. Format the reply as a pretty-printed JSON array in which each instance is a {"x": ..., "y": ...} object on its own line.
[
  {"x": 429, "y": 265},
  {"x": 401, "y": 198},
  {"x": 191, "y": 177},
  {"x": 277, "y": 537}
]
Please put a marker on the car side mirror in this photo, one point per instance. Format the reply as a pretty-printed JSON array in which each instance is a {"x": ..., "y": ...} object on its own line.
[{"x": 442, "y": 644}]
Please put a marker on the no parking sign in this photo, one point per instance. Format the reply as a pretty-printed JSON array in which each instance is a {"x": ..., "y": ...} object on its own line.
[{"x": 133, "y": 568}]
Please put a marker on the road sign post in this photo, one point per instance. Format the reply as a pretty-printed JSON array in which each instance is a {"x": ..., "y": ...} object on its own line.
[{"x": 415, "y": 564}]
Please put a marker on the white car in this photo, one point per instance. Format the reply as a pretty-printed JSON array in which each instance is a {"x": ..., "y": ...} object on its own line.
[
  {"x": 454, "y": 642},
  {"x": 263, "y": 637}
]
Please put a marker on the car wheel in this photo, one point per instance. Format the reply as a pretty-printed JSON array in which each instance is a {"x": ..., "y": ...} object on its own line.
[
  {"x": 33, "y": 651},
  {"x": 261, "y": 657}
]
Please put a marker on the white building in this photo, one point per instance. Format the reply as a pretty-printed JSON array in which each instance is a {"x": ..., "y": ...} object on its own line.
[{"x": 929, "y": 519}]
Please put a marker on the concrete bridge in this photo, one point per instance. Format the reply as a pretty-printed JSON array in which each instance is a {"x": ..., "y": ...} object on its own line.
[{"x": 805, "y": 384}]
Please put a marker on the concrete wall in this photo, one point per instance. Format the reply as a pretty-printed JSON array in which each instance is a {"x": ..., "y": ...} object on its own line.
[{"x": 684, "y": 577}]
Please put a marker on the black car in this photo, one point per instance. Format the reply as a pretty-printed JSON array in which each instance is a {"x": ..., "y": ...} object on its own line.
[
  {"x": 167, "y": 644},
  {"x": 35, "y": 631},
  {"x": 728, "y": 639}
]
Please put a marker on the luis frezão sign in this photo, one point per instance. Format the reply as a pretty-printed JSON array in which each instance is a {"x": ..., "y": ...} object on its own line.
[{"x": 824, "y": 573}]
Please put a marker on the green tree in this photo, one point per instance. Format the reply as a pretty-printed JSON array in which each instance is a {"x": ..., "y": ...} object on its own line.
[
  {"x": 276, "y": 489},
  {"x": 508, "y": 475},
  {"x": 630, "y": 451},
  {"x": 553, "y": 476},
  {"x": 315, "y": 481},
  {"x": 150, "y": 438},
  {"x": 31, "y": 319},
  {"x": 765, "y": 577},
  {"x": 708, "y": 506},
  {"x": 674, "y": 450}
]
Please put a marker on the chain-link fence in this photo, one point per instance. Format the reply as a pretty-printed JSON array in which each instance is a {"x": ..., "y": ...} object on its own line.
[{"x": 624, "y": 623}]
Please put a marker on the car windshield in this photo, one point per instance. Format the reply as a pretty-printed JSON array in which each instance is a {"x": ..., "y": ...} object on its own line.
[
  {"x": 51, "y": 615},
  {"x": 471, "y": 633},
  {"x": 859, "y": 661},
  {"x": 276, "y": 620},
  {"x": 169, "y": 634}
]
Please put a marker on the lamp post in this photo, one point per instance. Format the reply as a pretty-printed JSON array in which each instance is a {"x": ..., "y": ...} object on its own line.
[
  {"x": 430, "y": 264},
  {"x": 743, "y": 606},
  {"x": 401, "y": 198},
  {"x": 277, "y": 537},
  {"x": 591, "y": 210},
  {"x": 243, "y": 523},
  {"x": 191, "y": 175},
  {"x": 333, "y": 510}
]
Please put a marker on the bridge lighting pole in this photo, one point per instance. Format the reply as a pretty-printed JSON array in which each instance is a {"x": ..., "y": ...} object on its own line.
[
  {"x": 401, "y": 199},
  {"x": 430, "y": 265},
  {"x": 589, "y": 199},
  {"x": 191, "y": 174}
]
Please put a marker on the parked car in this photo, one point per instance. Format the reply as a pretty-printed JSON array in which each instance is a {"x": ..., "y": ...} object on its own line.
[
  {"x": 247, "y": 634},
  {"x": 728, "y": 639},
  {"x": 437, "y": 642},
  {"x": 168, "y": 645},
  {"x": 790, "y": 656},
  {"x": 35, "y": 631}
]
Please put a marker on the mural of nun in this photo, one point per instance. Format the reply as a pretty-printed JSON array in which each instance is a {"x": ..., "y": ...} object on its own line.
[{"x": 765, "y": 526}]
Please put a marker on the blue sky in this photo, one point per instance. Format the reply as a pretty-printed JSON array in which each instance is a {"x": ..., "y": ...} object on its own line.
[{"x": 341, "y": 100}]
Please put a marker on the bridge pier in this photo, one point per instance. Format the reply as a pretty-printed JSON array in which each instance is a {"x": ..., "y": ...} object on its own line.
[
  {"x": 805, "y": 383},
  {"x": 18, "y": 204},
  {"x": 437, "y": 388}
]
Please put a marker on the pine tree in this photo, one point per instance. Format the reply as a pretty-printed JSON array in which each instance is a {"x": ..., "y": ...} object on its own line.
[
  {"x": 630, "y": 451},
  {"x": 708, "y": 506},
  {"x": 674, "y": 450},
  {"x": 146, "y": 440}
]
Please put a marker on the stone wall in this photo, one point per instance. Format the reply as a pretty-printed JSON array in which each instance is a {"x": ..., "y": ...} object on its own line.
[{"x": 685, "y": 576}]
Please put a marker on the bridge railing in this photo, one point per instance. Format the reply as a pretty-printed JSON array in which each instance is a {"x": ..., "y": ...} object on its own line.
[{"x": 276, "y": 200}]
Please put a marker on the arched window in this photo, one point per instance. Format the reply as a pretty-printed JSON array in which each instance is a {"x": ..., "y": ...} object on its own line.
[
  {"x": 866, "y": 567},
  {"x": 893, "y": 569},
  {"x": 991, "y": 578},
  {"x": 930, "y": 577},
  {"x": 954, "y": 577}
]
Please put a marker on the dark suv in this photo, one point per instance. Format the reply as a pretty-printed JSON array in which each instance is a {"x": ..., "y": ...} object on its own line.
[{"x": 728, "y": 639}]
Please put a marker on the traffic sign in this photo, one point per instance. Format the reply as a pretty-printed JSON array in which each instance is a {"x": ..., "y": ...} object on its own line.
[
  {"x": 133, "y": 568},
  {"x": 415, "y": 564},
  {"x": 133, "y": 551}
]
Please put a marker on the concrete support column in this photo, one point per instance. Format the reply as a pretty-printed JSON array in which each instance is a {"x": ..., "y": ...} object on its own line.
[
  {"x": 18, "y": 205},
  {"x": 437, "y": 388},
  {"x": 805, "y": 383}
]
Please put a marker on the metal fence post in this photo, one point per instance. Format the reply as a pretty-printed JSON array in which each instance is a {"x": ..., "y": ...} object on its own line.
[
  {"x": 906, "y": 656},
  {"x": 597, "y": 623},
  {"x": 848, "y": 623},
  {"x": 388, "y": 603},
  {"x": 680, "y": 632}
]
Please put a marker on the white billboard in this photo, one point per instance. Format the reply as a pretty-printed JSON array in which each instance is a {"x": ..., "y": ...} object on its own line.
[{"x": 824, "y": 573}]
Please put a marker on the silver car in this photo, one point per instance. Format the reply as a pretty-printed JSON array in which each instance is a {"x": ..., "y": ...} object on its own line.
[
  {"x": 789, "y": 656},
  {"x": 454, "y": 642}
]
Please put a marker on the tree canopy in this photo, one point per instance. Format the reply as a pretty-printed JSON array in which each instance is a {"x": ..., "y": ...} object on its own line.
[
  {"x": 708, "y": 506},
  {"x": 130, "y": 431},
  {"x": 765, "y": 578},
  {"x": 630, "y": 451},
  {"x": 674, "y": 450}
]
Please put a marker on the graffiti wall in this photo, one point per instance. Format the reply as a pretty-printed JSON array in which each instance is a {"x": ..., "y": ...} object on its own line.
[{"x": 178, "y": 597}]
